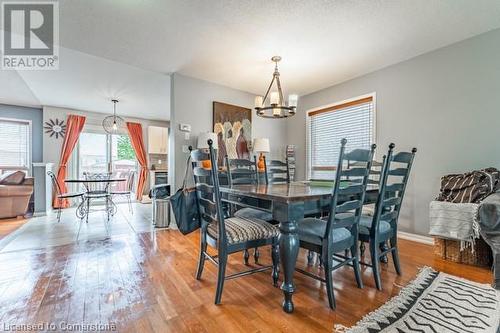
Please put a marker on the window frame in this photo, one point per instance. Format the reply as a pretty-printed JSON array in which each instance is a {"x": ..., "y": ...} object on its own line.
[
  {"x": 74, "y": 164},
  {"x": 30, "y": 144},
  {"x": 373, "y": 95}
]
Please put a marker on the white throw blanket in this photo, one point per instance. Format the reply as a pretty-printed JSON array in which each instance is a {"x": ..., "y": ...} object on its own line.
[{"x": 459, "y": 221}]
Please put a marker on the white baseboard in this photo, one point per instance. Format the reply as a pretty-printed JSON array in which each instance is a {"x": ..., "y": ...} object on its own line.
[{"x": 416, "y": 238}]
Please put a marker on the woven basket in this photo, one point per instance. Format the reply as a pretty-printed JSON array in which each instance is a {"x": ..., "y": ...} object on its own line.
[{"x": 449, "y": 249}]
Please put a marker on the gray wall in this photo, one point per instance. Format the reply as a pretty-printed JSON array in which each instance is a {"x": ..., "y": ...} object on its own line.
[
  {"x": 446, "y": 103},
  {"x": 192, "y": 104},
  {"x": 36, "y": 117}
]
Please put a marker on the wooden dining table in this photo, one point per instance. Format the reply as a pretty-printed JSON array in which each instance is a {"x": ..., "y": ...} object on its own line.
[{"x": 288, "y": 203}]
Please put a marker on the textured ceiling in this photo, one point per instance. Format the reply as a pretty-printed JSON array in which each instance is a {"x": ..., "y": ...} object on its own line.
[
  {"x": 230, "y": 42},
  {"x": 125, "y": 48}
]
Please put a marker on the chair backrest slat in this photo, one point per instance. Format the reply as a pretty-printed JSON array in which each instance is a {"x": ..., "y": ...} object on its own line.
[
  {"x": 392, "y": 201},
  {"x": 202, "y": 172},
  {"x": 398, "y": 172},
  {"x": 350, "y": 190},
  {"x": 349, "y": 205},
  {"x": 358, "y": 155},
  {"x": 356, "y": 172},
  {"x": 394, "y": 187},
  {"x": 349, "y": 182},
  {"x": 205, "y": 188},
  {"x": 403, "y": 157},
  {"x": 345, "y": 220},
  {"x": 209, "y": 206}
]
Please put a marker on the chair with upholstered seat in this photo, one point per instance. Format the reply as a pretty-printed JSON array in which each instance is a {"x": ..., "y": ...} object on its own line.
[
  {"x": 226, "y": 235},
  {"x": 382, "y": 227},
  {"x": 334, "y": 238},
  {"x": 62, "y": 196},
  {"x": 244, "y": 172}
]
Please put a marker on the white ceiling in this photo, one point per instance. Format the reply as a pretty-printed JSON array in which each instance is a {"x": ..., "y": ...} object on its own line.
[
  {"x": 230, "y": 42},
  {"x": 86, "y": 82},
  {"x": 126, "y": 48}
]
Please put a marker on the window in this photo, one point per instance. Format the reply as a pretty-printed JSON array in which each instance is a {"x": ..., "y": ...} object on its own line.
[
  {"x": 99, "y": 152},
  {"x": 15, "y": 147},
  {"x": 353, "y": 120},
  {"x": 93, "y": 153}
]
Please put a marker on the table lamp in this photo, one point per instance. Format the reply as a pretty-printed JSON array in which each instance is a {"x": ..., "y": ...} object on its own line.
[
  {"x": 203, "y": 144},
  {"x": 261, "y": 145}
]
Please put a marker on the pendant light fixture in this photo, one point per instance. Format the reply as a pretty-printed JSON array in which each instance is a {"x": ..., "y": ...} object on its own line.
[
  {"x": 113, "y": 124},
  {"x": 277, "y": 108}
]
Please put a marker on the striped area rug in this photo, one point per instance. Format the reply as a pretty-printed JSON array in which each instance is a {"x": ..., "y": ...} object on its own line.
[{"x": 436, "y": 302}]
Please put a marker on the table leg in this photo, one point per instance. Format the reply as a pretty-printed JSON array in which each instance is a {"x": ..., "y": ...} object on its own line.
[{"x": 288, "y": 215}]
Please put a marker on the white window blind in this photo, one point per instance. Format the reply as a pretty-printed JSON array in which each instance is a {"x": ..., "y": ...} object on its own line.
[
  {"x": 353, "y": 120},
  {"x": 14, "y": 144}
]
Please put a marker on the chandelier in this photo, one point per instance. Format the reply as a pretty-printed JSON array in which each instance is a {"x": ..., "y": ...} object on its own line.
[
  {"x": 113, "y": 124},
  {"x": 277, "y": 108}
]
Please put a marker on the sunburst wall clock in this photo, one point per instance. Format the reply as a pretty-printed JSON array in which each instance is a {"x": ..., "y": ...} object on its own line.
[{"x": 55, "y": 128}]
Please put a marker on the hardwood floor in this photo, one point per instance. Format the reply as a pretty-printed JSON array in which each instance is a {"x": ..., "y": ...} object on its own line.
[
  {"x": 144, "y": 282},
  {"x": 8, "y": 226}
]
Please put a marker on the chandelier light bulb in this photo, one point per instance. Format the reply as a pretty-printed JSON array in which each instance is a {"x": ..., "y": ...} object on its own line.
[
  {"x": 292, "y": 100},
  {"x": 275, "y": 98},
  {"x": 259, "y": 101}
]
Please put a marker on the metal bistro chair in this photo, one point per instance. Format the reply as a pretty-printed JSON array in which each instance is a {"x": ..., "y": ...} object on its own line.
[
  {"x": 61, "y": 196},
  {"x": 127, "y": 192},
  {"x": 244, "y": 172},
  {"x": 383, "y": 225},
  {"x": 98, "y": 189},
  {"x": 276, "y": 172},
  {"x": 339, "y": 234},
  {"x": 227, "y": 235}
]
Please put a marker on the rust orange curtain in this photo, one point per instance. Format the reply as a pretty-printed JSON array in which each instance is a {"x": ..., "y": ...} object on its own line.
[
  {"x": 74, "y": 126},
  {"x": 135, "y": 133}
]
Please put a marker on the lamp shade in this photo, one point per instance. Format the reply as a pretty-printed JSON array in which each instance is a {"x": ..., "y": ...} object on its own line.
[
  {"x": 204, "y": 137},
  {"x": 261, "y": 145}
]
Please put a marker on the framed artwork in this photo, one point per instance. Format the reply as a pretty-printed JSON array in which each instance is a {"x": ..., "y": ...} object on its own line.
[{"x": 233, "y": 126}]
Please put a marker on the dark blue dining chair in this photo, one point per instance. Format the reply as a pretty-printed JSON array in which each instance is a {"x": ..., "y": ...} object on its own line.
[
  {"x": 226, "y": 235},
  {"x": 334, "y": 238},
  {"x": 244, "y": 172},
  {"x": 382, "y": 227},
  {"x": 276, "y": 171}
]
